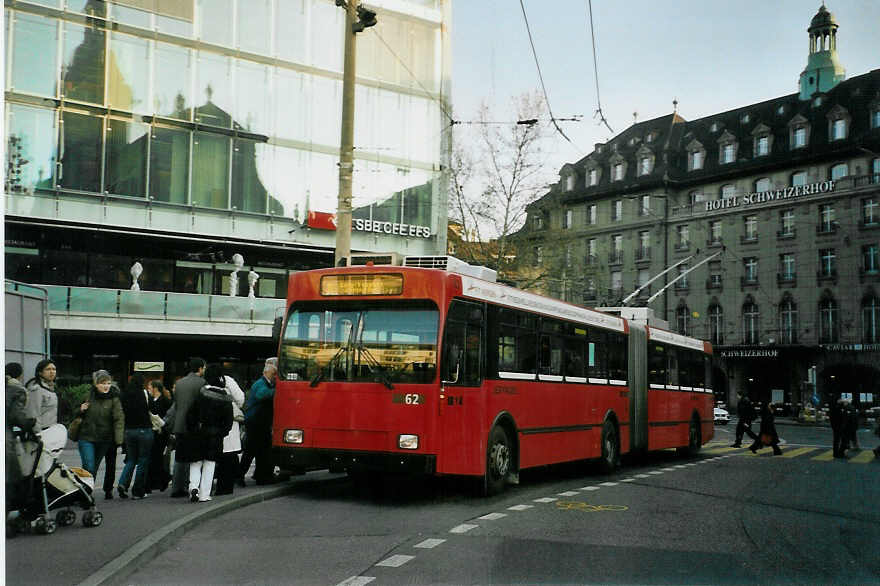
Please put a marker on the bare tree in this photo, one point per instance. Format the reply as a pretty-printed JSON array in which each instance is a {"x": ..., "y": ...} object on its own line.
[{"x": 497, "y": 170}]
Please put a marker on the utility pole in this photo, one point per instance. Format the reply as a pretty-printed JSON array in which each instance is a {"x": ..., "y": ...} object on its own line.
[{"x": 357, "y": 19}]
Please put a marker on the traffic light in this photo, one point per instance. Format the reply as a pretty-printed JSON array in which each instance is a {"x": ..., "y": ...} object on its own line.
[{"x": 366, "y": 19}]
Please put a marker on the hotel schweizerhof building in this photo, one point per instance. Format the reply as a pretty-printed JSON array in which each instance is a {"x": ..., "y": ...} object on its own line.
[
  {"x": 171, "y": 162},
  {"x": 776, "y": 208}
]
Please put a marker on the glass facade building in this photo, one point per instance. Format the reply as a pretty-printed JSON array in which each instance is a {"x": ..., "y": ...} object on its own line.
[{"x": 176, "y": 133}]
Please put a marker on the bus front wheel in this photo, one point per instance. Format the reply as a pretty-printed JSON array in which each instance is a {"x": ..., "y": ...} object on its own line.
[
  {"x": 610, "y": 448},
  {"x": 498, "y": 461}
]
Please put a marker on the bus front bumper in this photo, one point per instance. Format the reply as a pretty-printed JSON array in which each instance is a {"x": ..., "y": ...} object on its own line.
[{"x": 299, "y": 459}]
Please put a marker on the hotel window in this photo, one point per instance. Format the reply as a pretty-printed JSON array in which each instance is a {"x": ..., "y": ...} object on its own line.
[
  {"x": 682, "y": 319},
  {"x": 826, "y": 218},
  {"x": 728, "y": 153},
  {"x": 750, "y": 227},
  {"x": 569, "y": 183},
  {"x": 646, "y": 165},
  {"x": 838, "y": 129},
  {"x": 591, "y": 214},
  {"x": 539, "y": 256},
  {"x": 750, "y": 266},
  {"x": 827, "y": 263},
  {"x": 683, "y": 238},
  {"x": 786, "y": 267},
  {"x": 616, "y": 282},
  {"x": 870, "y": 211},
  {"x": 618, "y": 172},
  {"x": 762, "y": 184},
  {"x": 875, "y": 117},
  {"x": 568, "y": 254},
  {"x": 788, "y": 321},
  {"x": 751, "y": 318},
  {"x": 594, "y": 177},
  {"x": 715, "y": 232},
  {"x": 616, "y": 210},
  {"x": 696, "y": 197},
  {"x": 716, "y": 324},
  {"x": 786, "y": 223},
  {"x": 567, "y": 217},
  {"x": 616, "y": 255},
  {"x": 799, "y": 179},
  {"x": 799, "y": 137},
  {"x": 644, "y": 251},
  {"x": 539, "y": 221},
  {"x": 645, "y": 205},
  {"x": 875, "y": 171},
  {"x": 838, "y": 171},
  {"x": 871, "y": 320},
  {"x": 870, "y": 258},
  {"x": 828, "y": 321},
  {"x": 591, "y": 252},
  {"x": 696, "y": 160},
  {"x": 682, "y": 282},
  {"x": 728, "y": 190},
  {"x": 762, "y": 146}
]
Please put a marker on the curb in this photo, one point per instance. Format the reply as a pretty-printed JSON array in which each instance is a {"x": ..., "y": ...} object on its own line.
[{"x": 161, "y": 539}]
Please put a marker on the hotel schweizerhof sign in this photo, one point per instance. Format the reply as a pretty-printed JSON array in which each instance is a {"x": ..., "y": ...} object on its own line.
[{"x": 761, "y": 197}]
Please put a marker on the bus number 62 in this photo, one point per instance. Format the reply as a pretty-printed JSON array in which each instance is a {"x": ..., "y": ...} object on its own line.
[{"x": 408, "y": 398}]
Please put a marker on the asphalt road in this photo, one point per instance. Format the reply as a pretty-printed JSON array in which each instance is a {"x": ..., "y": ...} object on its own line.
[{"x": 724, "y": 517}]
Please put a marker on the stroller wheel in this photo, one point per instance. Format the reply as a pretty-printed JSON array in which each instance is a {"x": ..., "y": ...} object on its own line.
[
  {"x": 65, "y": 518},
  {"x": 45, "y": 526},
  {"x": 92, "y": 518}
]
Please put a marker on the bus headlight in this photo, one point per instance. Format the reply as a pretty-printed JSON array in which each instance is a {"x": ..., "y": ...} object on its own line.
[
  {"x": 293, "y": 436},
  {"x": 407, "y": 441}
]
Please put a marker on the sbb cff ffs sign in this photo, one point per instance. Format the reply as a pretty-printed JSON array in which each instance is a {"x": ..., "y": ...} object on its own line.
[{"x": 327, "y": 221}]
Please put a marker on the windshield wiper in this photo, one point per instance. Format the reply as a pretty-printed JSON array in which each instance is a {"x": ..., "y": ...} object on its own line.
[
  {"x": 386, "y": 376},
  {"x": 320, "y": 374}
]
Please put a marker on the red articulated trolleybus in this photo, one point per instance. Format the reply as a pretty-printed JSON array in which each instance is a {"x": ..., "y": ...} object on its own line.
[{"x": 427, "y": 370}]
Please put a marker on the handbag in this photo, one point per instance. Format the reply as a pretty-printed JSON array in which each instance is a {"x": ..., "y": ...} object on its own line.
[
  {"x": 155, "y": 421},
  {"x": 73, "y": 429}
]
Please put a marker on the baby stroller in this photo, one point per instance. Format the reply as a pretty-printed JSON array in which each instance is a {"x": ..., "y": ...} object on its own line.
[{"x": 51, "y": 485}]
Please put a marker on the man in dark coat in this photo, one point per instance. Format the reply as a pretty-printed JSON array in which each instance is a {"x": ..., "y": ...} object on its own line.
[
  {"x": 258, "y": 426},
  {"x": 185, "y": 393},
  {"x": 16, "y": 416},
  {"x": 837, "y": 417},
  {"x": 745, "y": 412}
]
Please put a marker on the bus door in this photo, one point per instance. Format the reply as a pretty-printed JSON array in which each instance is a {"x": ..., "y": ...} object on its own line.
[{"x": 462, "y": 445}]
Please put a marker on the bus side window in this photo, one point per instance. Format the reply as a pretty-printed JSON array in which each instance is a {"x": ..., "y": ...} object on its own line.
[
  {"x": 672, "y": 375},
  {"x": 575, "y": 351},
  {"x": 551, "y": 347},
  {"x": 462, "y": 348},
  {"x": 616, "y": 357},
  {"x": 597, "y": 354},
  {"x": 656, "y": 364}
]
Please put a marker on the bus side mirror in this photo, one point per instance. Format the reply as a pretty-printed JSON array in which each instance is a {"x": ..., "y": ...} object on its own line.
[
  {"x": 455, "y": 375},
  {"x": 276, "y": 331}
]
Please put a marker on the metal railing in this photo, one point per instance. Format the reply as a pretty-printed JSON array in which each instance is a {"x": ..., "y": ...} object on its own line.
[{"x": 160, "y": 304}]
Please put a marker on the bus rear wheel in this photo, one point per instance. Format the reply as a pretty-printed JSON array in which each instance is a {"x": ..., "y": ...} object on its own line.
[
  {"x": 610, "y": 448},
  {"x": 498, "y": 461},
  {"x": 695, "y": 439}
]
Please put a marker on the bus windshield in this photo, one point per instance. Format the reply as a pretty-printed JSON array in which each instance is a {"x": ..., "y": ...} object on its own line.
[{"x": 360, "y": 342}]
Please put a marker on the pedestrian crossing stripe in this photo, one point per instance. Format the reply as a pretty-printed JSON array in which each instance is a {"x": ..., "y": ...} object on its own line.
[
  {"x": 856, "y": 457},
  {"x": 797, "y": 452}
]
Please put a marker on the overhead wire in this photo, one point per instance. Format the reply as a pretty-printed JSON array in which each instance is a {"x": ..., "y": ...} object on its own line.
[
  {"x": 599, "y": 112},
  {"x": 553, "y": 119}
]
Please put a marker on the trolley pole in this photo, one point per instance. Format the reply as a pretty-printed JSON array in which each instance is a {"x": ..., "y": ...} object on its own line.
[{"x": 356, "y": 20}]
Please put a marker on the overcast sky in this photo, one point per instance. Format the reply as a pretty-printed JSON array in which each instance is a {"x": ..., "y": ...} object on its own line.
[{"x": 711, "y": 55}]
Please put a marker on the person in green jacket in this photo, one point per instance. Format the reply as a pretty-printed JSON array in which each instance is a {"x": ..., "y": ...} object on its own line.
[{"x": 101, "y": 429}]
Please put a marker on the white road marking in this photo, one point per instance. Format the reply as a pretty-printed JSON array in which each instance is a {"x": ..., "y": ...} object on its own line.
[
  {"x": 396, "y": 561},
  {"x": 463, "y": 528},
  {"x": 628, "y": 480},
  {"x": 669, "y": 469},
  {"x": 429, "y": 543},
  {"x": 590, "y": 488},
  {"x": 520, "y": 507},
  {"x": 568, "y": 493},
  {"x": 356, "y": 581},
  {"x": 546, "y": 499},
  {"x": 643, "y": 476},
  {"x": 655, "y": 472},
  {"x": 680, "y": 466},
  {"x": 607, "y": 484},
  {"x": 493, "y": 516}
]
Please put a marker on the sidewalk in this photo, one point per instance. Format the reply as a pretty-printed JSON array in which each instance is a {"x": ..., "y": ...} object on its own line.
[{"x": 133, "y": 533}]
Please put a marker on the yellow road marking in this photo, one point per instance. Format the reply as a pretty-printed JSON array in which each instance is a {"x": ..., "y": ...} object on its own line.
[
  {"x": 824, "y": 456},
  {"x": 862, "y": 457},
  {"x": 721, "y": 450},
  {"x": 797, "y": 452}
]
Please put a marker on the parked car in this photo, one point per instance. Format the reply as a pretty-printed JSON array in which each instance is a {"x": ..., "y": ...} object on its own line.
[{"x": 722, "y": 417}]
